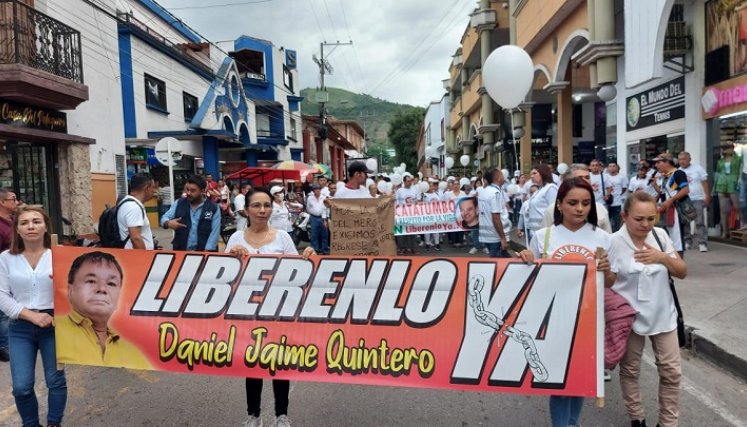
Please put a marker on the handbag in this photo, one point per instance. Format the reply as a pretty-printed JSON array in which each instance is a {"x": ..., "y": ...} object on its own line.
[
  {"x": 686, "y": 210},
  {"x": 681, "y": 335},
  {"x": 666, "y": 218}
]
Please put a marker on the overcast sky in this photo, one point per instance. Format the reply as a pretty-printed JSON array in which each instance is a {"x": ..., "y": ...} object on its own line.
[{"x": 401, "y": 52}]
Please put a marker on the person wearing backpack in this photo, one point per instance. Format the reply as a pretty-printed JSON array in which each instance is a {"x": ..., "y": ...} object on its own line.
[
  {"x": 194, "y": 218},
  {"x": 133, "y": 223}
]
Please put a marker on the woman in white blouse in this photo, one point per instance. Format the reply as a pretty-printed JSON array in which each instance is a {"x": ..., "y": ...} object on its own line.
[
  {"x": 27, "y": 297},
  {"x": 545, "y": 196},
  {"x": 644, "y": 266},
  {"x": 280, "y": 218},
  {"x": 262, "y": 238}
]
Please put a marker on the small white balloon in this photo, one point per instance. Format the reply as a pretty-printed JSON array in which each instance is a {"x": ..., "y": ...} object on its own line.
[
  {"x": 369, "y": 182},
  {"x": 403, "y": 165},
  {"x": 442, "y": 186},
  {"x": 464, "y": 160},
  {"x": 396, "y": 179},
  {"x": 449, "y": 162},
  {"x": 428, "y": 152},
  {"x": 506, "y": 174},
  {"x": 389, "y": 188},
  {"x": 562, "y": 168},
  {"x": 463, "y": 182},
  {"x": 512, "y": 189},
  {"x": 372, "y": 164},
  {"x": 508, "y": 74},
  {"x": 381, "y": 186},
  {"x": 423, "y": 186}
]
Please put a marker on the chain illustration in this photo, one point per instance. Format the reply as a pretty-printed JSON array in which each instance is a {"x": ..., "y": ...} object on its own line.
[{"x": 476, "y": 284}]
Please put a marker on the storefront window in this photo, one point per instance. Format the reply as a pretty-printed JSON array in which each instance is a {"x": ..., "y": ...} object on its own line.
[{"x": 650, "y": 147}]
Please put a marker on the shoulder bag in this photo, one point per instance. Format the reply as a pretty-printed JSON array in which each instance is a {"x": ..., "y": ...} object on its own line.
[{"x": 681, "y": 336}]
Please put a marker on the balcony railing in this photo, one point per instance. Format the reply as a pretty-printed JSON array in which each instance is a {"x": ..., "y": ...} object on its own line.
[{"x": 32, "y": 38}]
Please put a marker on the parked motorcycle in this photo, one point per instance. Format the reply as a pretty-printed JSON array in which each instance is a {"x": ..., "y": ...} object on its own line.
[{"x": 301, "y": 228}]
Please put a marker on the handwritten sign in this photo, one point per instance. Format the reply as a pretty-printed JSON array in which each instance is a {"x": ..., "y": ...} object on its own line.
[{"x": 362, "y": 227}]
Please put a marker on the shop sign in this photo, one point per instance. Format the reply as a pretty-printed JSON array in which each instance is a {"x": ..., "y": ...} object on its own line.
[
  {"x": 715, "y": 99},
  {"x": 659, "y": 104},
  {"x": 26, "y": 116}
]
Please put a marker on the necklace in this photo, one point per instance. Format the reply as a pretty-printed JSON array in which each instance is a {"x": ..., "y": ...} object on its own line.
[{"x": 255, "y": 242}]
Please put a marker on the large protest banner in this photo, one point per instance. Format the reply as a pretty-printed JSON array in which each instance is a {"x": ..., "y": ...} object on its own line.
[
  {"x": 459, "y": 323},
  {"x": 426, "y": 217},
  {"x": 362, "y": 227}
]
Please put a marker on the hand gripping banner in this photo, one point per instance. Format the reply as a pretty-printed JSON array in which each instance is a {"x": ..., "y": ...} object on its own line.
[{"x": 458, "y": 323}]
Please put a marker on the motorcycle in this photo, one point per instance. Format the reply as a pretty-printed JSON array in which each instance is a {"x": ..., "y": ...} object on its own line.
[{"x": 301, "y": 228}]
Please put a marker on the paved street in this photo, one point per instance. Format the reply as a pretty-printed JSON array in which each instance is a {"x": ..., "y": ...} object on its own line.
[{"x": 713, "y": 297}]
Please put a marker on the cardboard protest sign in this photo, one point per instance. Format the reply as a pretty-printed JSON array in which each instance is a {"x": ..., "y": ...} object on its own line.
[
  {"x": 458, "y": 323},
  {"x": 362, "y": 227}
]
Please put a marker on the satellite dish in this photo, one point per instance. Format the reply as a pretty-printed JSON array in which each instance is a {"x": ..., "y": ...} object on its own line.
[{"x": 163, "y": 146}]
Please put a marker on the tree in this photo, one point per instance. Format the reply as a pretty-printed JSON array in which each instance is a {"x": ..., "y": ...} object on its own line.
[{"x": 404, "y": 128}]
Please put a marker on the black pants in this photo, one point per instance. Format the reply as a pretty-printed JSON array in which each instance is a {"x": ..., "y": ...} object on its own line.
[{"x": 280, "y": 389}]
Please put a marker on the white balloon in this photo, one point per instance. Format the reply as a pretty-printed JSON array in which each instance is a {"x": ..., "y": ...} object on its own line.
[
  {"x": 442, "y": 185},
  {"x": 381, "y": 186},
  {"x": 449, "y": 162},
  {"x": 388, "y": 188},
  {"x": 428, "y": 152},
  {"x": 423, "y": 186},
  {"x": 464, "y": 160},
  {"x": 463, "y": 182},
  {"x": 403, "y": 165},
  {"x": 396, "y": 179},
  {"x": 369, "y": 182},
  {"x": 512, "y": 189},
  {"x": 506, "y": 174},
  {"x": 372, "y": 164},
  {"x": 508, "y": 74},
  {"x": 562, "y": 168}
]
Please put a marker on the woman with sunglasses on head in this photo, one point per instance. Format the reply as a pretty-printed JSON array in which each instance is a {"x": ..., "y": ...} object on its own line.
[
  {"x": 646, "y": 257},
  {"x": 261, "y": 238},
  {"x": 27, "y": 297},
  {"x": 574, "y": 236}
]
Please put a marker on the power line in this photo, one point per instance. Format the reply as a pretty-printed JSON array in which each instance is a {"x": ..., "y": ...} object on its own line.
[{"x": 241, "y": 3}]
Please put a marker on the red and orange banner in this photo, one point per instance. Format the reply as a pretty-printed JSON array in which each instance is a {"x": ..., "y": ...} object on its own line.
[{"x": 460, "y": 323}]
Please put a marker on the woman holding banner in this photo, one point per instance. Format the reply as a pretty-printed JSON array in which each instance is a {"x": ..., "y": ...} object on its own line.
[
  {"x": 27, "y": 297},
  {"x": 647, "y": 257},
  {"x": 261, "y": 238},
  {"x": 574, "y": 236}
]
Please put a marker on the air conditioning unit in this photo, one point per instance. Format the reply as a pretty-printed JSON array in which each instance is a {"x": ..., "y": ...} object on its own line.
[
  {"x": 255, "y": 76},
  {"x": 677, "y": 39}
]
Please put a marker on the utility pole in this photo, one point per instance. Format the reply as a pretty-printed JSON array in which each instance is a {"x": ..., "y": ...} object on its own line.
[{"x": 324, "y": 68}]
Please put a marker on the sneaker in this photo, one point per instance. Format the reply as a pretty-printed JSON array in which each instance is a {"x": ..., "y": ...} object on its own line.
[
  {"x": 703, "y": 247},
  {"x": 638, "y": 423},
  {"x": 607, "y": 376},
  {"x": 253, "y": 421},
  {"x": 282, "y": 421},
  {"x": 473, "y": 251},
  {"x": 688, "y": 246},
  {"x": 438, "y": 247},
  {"x": 487, "y": 252}
]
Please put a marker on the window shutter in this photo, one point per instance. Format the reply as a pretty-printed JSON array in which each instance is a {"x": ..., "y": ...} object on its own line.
[{"x": 120, "y": 174}]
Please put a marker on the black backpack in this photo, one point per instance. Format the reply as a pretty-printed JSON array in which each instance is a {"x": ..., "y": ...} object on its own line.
[{"x": 109, "y": 226}]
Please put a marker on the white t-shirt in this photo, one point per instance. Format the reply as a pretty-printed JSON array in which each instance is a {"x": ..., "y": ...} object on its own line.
[
  {"x": 492, "y": 200},
  {"x": 282, "y": 244},
  {"x": 618, "y": 183},
  {"x": 407, "y": 195},
  {"x": 431, "y": 197},
  {"x": 239, "y": 203},
  {"x": 695, "y": 177},
  {"x": 646, "y": 287},
  {"x": 596, "y": 185},
  {"x": 581, "y": 244},
  {"x": 449, "y": 195},
  {"x": 280, "y": 217},
  {"x": 641, "y": 184},
  {"x": 343, "y": 192},
  {"x": 132, "y": 214}
]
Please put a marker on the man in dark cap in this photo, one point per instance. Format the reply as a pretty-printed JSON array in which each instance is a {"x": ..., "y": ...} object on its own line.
[{"x": 355, "y": 188}]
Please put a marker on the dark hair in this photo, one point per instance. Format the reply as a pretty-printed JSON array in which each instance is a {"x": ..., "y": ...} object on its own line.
[
  {"x": 95, "y": 257},
  {"x": 16, "y": 242},
  {"x": 637, "y": 197},
  {"x": 198, "y": 181},
  {"x": 489, "y": 175},
  {"x": 563, "y": 191},
  {"x": 139, "y": 181},
  {"x": 545, "y": 173},
  {"x": 257, "y": 190}
]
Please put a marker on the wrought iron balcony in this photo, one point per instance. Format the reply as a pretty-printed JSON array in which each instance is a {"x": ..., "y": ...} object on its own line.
[{"x": 32, "y": 38}]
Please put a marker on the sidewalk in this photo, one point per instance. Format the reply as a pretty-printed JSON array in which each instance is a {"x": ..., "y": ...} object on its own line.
[{"x": 713, "y": 299}]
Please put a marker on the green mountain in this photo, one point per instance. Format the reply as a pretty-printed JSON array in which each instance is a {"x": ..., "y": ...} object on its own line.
[{"x": 373, "y": 114}]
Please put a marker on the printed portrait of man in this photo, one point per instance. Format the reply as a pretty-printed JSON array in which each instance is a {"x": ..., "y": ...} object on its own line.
[
  {"x": 467, "y": 213},
  {"x": 84, "y": 336}
]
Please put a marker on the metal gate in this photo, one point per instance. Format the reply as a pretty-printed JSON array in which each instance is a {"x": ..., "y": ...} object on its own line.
[{"x": 33, "y": 180}]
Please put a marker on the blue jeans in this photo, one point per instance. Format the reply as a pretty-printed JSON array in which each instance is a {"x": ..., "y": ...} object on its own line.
[
  {"x": 26, "y": 339},
  {"x": 565, "y": 410},
  {"x": 496, "y": 251},
  {"x": 319, "y": 236},
  {"x": 3, "y": 331},
  {"x": 476, "y": 239}
]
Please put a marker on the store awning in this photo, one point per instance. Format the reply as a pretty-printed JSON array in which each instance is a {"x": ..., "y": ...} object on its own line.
[{"x": 263, "y": 176}]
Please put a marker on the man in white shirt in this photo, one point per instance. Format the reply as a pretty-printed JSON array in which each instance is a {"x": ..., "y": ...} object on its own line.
[
  {"x": 239, "y": 205},
  {"x": 318, "y": 220},
  {"x": 355, "y": 188},
  {"x": 432, "y": 240},
  {"x": 580, "y": 170},
  {"x": 407, "y": 194},
  {"x": 323, "y": 184},
  {"x": 619, "y": 185},
  {"x": 598, "y": 181},
  {"x": 494, "y": 218},
  {"x": 133, "y": 223},
  {"x": 700, "y": 195}
]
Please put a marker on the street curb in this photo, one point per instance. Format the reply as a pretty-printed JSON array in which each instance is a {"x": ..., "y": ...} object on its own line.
[{"x": 706, "y": 349}]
